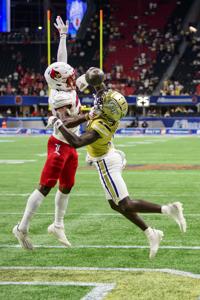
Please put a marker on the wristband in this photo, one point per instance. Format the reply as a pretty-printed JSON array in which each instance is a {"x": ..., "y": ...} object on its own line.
[{"x": 63, "y": 34}]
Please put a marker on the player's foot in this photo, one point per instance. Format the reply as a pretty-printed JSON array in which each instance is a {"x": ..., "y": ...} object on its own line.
[
  {"x": 176, "y": 213},
  {"x": 59, "y": 233},
  {"x": 154, "y": 237},
  {"x": 22, "y": 238}
]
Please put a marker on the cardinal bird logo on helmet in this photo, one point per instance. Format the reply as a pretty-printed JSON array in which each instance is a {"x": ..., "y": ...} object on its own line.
[{"x": 55, "y": 74}]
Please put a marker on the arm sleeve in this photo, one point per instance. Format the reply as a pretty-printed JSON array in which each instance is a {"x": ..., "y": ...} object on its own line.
[{"x": 62, "y": 49}]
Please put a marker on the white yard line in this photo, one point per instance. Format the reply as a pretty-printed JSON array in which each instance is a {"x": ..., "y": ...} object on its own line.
[
  {"x": 105, "y": 247},
  {"x": 62, "y": 268},
  {"x": 72, "y": 195},
  {"x": 94, "y": 214},
  {"x": 16, "y": 161},
  {"x": 90, "y": 172},
  {"x": 99, "y": 291},
  {"x": 91, "y": 194}
]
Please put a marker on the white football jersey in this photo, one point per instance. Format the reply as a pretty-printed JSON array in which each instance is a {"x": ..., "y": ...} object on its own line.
[{"x": 69, "y": 97}]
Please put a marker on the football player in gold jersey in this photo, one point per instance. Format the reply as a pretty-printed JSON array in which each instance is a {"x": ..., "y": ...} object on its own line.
[{"x": 110, "y": 162}]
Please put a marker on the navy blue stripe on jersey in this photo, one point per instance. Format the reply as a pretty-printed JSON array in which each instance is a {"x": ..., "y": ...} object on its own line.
[
  {"x": 113, "y": 184},
  {"x": 103, "y": 179},
  {"x": 105, "y": 125}
]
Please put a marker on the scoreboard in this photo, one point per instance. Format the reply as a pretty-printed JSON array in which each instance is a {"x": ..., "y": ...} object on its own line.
[{"x": 76, "y": 10}]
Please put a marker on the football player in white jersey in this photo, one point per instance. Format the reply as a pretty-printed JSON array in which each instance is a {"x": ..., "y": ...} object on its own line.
[
  {"x": 110, "y": 162},
  {"x": 62, "y": 159}
]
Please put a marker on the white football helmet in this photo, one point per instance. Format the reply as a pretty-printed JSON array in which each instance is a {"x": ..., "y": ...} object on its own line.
[{"x": 60, "y": 76}]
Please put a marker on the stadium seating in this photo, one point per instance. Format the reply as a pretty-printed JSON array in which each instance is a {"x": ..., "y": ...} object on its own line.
[
  {"x": 148, "y": 36},
  {"x": 134, "y": 14}
]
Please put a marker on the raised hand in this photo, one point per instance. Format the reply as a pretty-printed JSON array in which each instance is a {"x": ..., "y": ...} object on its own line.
[{"x": 61, "y": 26}]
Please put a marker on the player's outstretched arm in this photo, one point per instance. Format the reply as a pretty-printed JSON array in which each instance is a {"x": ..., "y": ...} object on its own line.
[
  {"x": 75, "y": 141},
  {"x": 71, "y": 122},
  {"x": 63, "y": 31}
]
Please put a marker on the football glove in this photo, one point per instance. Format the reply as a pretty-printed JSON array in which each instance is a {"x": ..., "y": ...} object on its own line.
[
  {"x": 54, "y": 122},
  {"x": 61, "y": 26},
  {"x": 94, "y": 113},
  {"x": 81, "y": 83},
  {"x": 88, "y": 160}
]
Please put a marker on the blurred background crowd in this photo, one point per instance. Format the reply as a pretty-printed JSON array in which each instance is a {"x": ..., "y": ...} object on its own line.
[{"x": 149, "y": 47}]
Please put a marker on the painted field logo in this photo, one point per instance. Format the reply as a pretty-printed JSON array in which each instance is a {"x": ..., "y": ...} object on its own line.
[{"x": 18, "y": 100}]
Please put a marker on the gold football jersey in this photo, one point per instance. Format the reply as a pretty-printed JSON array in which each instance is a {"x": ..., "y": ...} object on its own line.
[{"x": 106, "y": 131}]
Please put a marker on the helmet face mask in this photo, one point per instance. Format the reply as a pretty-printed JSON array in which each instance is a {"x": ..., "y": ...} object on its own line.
[
  {"x": 70, "y": 80},
  {"x": 60, "y": 76},
  {"x": 112, "y": 104}
]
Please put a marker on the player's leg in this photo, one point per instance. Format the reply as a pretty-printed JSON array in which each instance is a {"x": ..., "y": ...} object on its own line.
[
  {"x": 112, "y": 170},
  {"x": 154, "y": 236},
  {"x": 66, "y": 182},
  {"x": 131, "y": 216},
  {"x": 49, "y": 176},
  {"x": 174, "y": 210},
  {"x": 115, "y": 188},
  {"x": 141, "y": 206},
  {"x": 20, "y": 230},
  {"x": 110, "y": 174},
  {"x": 33, "y": 202}
]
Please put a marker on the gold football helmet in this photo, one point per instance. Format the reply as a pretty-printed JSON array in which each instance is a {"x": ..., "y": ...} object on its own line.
[{"x": 112, "y": 104}]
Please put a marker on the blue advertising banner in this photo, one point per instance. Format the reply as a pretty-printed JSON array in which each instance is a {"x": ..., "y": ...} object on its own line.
[
  {"x": 122, "y": 131},
  {"x": 4, "y": 15},
  {"x": 181, "y": 131},
  {"x": 132, "y": 100},
  {"x": 164, "y": 100},
  {"x": 23, "y": 100},
  {"x": 177, "y": 100},
  {"x": 28, "y": 131}
]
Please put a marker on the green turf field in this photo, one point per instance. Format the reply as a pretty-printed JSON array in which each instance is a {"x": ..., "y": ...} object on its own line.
[{"x": 109, "y": 256}]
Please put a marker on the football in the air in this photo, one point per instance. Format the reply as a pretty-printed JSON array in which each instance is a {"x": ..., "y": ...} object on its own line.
[{"x": 94, "y": 76}]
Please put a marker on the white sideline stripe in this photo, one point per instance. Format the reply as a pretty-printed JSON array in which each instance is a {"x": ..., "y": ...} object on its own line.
[
  {"x": 99, "y": 291},
  {"x": 139, "y": 173},
  {"x": 105, "y": 247},
  {"x": 95, "y": 214},
  {"x": 62, "y": 268},
  {"x": 14, "y": 195},
  {"x": 72, "y": 195},
  {"x": 16, "y": 161}
]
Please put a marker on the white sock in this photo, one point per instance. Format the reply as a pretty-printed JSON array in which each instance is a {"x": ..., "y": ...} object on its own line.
[
  {"x": 61, "y": 201},
  {"x": 165, "y": 209},
  {"x": 148, "y": 231},
  {"x": 33, "y": 202}
]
